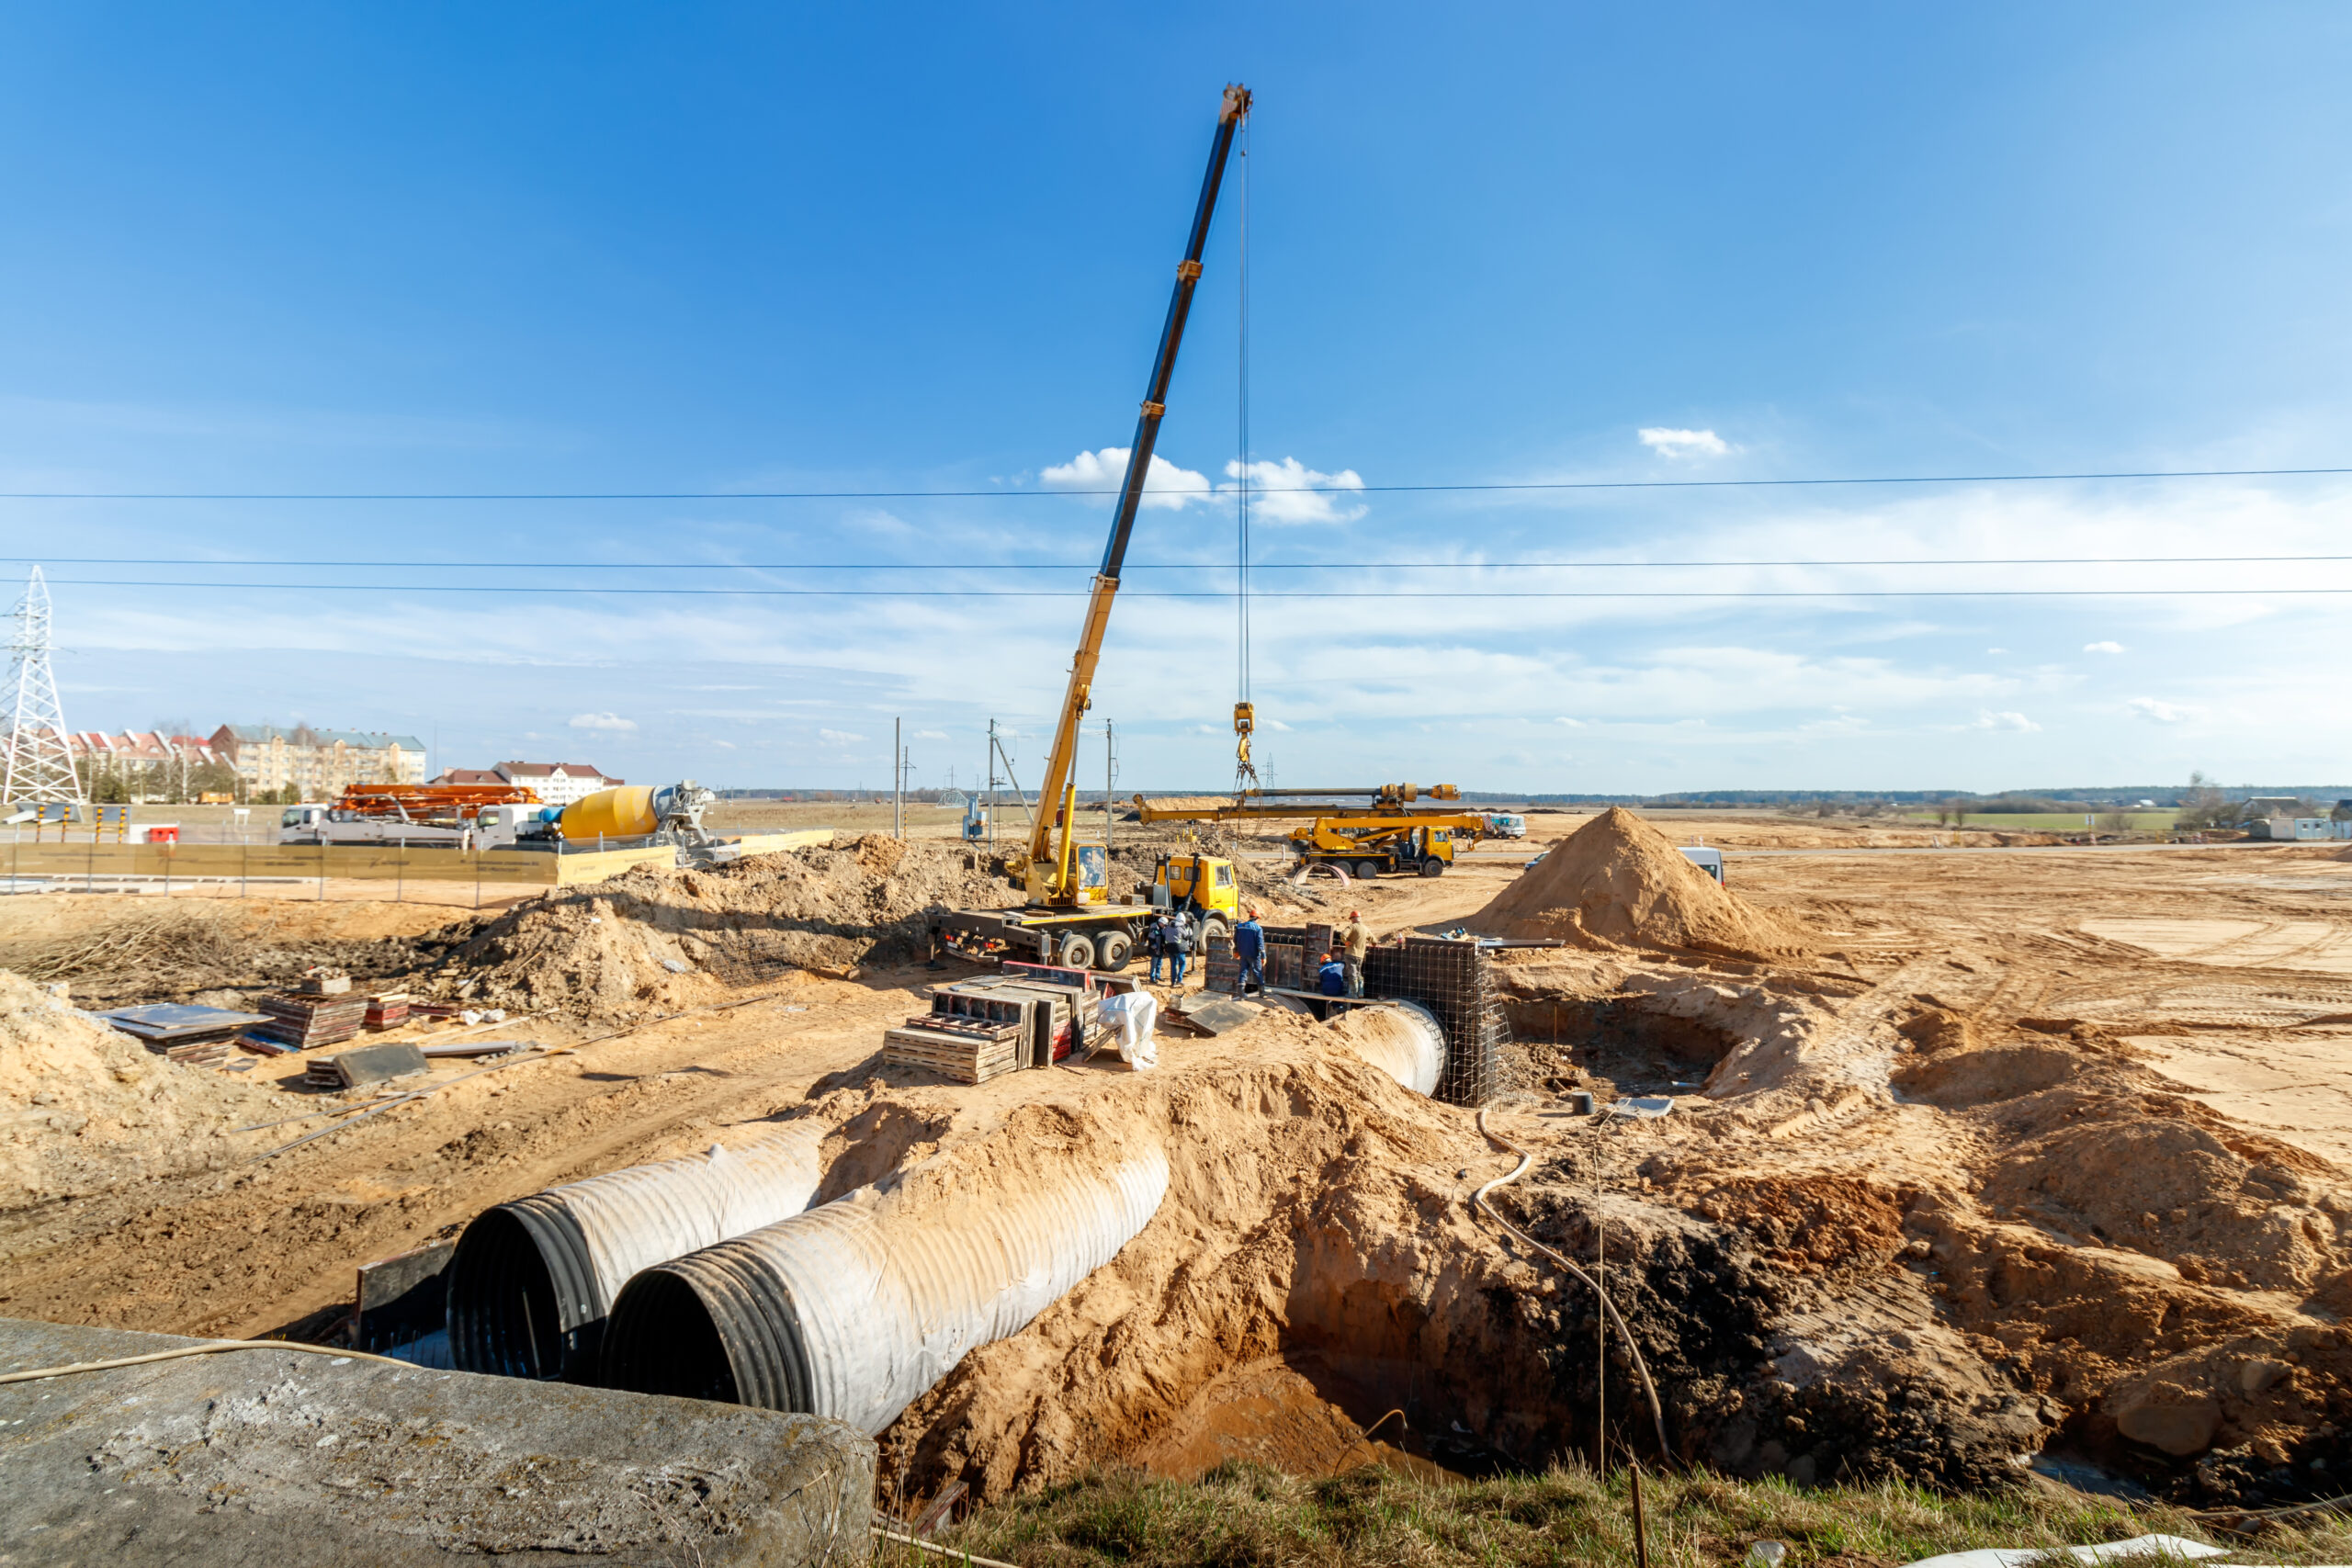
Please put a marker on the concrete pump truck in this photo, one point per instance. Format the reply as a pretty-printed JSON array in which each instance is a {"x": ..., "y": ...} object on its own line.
[{"x": 1071, "y": 916}]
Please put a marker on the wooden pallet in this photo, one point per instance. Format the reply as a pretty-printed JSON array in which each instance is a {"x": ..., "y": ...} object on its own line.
[{"x": 951, "y": 1056}]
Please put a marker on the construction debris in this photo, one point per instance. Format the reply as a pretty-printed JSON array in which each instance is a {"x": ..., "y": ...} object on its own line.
[
  {"x": 305, "y": 1021},
  {"x": 369, "y": 1065},
  {"x": 192, "y": 1036}
]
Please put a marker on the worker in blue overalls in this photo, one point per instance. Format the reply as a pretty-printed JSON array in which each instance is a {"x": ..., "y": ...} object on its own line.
[{"x": 1250, "y": 950}]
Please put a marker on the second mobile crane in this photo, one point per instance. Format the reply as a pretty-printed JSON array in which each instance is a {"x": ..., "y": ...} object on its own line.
[{"x": 1069, "y": 916}]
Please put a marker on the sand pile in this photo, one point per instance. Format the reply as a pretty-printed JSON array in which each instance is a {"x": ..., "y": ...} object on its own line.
[
  {"x": 1618, "y": 882},
  {"x": 85, "y": 1109},
  {"x": 656, "y": 937}
]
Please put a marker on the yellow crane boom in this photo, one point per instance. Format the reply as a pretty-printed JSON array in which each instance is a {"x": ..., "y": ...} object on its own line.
[{"x": 1048, "y": 871}]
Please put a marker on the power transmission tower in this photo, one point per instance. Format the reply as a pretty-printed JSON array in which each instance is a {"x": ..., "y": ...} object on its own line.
[{"x": 41, "y": 758}]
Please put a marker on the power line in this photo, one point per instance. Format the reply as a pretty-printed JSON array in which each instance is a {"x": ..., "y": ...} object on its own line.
[
  {"x": 1185, "y": 489},
  {"x": 1167, "y": 593},
  {"x": 543, "y": 565}
]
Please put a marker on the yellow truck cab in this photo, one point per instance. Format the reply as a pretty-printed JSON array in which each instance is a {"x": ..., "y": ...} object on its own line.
[
  {"x": 1205, "y": 880},
  {"x": 1094, "y": 933}
]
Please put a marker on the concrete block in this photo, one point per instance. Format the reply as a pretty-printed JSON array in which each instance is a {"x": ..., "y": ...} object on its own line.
[{"x": 288, "y": 1458}]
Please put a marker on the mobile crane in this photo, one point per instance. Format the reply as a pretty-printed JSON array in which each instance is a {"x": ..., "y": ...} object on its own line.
[{"x": 1069, "y": 916}]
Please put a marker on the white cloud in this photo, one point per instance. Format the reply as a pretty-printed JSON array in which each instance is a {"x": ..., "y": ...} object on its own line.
[
  {"x": 724, "y": 745},
  {"x": 2102, "y": 647},
  {"x": 1987, "y": 720},
  {"x": 1165, "y": 486},
  {"x": 1570, "y": 723},
  {"x": 611, "y": 721},
  {"x": 1997, "y": 650},
  {"x": 1290, "y": 491},
  {"x": 1683, "y": 443},
  {"x": 1276, "y": 724},
  {"x": 838, "y": 738},
  {"x": 928, "y": 735},
  {"x": 2156, "y": 711}
]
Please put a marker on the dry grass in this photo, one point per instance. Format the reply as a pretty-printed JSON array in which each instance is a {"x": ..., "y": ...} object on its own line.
[{"x": 1240, "y": 1513}]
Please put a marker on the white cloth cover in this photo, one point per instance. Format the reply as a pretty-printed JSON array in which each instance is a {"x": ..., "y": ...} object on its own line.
[
  {"x": 2138, "y": 1549},
  {"x": 1132, "y": 1013}
]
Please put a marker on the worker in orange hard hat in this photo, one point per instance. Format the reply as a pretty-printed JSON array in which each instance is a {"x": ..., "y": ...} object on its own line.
[{"x": 1249, "y": 951}]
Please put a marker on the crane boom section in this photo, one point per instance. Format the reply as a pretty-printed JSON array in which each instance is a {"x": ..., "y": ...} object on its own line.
[{"x": 1048, "y": 875}]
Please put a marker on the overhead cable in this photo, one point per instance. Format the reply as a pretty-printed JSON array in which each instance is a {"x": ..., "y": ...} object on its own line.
[
  {"x": 520, "y": 588},
  {"x": 1504, "y": 486}
]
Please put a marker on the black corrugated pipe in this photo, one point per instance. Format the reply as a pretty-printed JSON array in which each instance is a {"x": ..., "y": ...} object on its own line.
[{"x": 532, "y": 1280}]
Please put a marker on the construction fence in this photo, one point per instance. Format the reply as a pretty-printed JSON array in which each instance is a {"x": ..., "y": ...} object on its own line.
[{"x": 93, "y": 862}]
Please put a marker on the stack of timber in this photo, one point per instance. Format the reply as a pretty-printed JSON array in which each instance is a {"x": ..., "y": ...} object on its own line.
[
  {"x": 388, "y": 1011},
  {"x": 303, "y": 1021},
  {"x": 981, "y": 1028},
  {"x": 192, "y": 1036}
]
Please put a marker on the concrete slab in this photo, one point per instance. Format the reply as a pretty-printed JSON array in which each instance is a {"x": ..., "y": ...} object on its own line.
[{"x": 290, "y": 1458}]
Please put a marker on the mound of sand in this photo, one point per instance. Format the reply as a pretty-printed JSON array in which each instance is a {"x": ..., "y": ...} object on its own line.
[
  {"x": 85, "y": 1109},
  {"x": 656, "y": 937},
  {"x": 1618, "y": 882}
]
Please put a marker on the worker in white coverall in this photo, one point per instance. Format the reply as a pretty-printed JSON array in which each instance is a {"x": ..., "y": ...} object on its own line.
[{"x": 1132, "y": 1013}]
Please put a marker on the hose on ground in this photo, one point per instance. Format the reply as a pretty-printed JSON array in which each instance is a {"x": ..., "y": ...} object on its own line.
[
  {"x": 1479, "y": 1200},
  {"x": 208, "y": 1349}
]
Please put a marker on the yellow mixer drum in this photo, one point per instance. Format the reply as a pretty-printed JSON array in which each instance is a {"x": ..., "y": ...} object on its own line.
[{"x": 624, "y": 812}]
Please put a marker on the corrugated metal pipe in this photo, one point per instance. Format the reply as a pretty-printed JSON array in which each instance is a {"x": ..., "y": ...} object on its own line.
[
  {"x": 1402, "y": 1039},
  {"x": 531, "y": 1281},
  {"x": 853, "y": 1310}
]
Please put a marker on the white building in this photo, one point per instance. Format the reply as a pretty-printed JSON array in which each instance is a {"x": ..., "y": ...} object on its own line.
[{"x": 556, "y": 783}]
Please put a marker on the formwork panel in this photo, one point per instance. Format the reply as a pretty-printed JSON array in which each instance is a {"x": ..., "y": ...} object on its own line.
[{"x": 1453, "y": 979}]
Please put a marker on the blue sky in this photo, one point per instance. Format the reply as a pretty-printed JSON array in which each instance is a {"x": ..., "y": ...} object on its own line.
[{"x": 561, "y": 250}]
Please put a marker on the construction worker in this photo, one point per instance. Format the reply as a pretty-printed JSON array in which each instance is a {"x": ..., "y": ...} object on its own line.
[
  {"x": 1356, "y": 941},
  {"x": 1332, "y": 979},
  {"x": 1250, "y": 950},
  {"x": 1180, "y": 945},
  {"x": 1155, "y": 941}
]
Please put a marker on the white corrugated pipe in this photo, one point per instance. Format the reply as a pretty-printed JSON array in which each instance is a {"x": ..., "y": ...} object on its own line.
[
  {"x": 1402, "y": 1039},
  {"x": 855, "y": 1309},
  {"x": 532, "y": 1280}
]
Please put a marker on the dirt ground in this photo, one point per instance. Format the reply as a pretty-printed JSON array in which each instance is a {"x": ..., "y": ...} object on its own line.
[{"x": 2028, "y": 1153}]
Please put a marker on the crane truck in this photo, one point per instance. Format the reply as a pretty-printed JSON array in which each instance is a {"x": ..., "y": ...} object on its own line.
[{"x": 1068, "y": 916}]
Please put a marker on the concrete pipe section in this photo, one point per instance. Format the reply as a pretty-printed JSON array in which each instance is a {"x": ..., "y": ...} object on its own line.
[
  {"x": 853, "y": 1310},
  {"x": 531, "y": 1281},
  {"x": 1402, "y": 1039}
]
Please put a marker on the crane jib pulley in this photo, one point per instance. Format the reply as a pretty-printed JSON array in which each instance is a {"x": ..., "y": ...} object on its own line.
[{"x": 1050, "y": 874}]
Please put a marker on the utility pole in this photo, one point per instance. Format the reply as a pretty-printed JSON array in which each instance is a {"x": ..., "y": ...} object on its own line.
[
  {"x": 991, "y": 783},
  {"x": 898, "y": 782},
  {"x": 1109, "y": 780},
  {"x": 41, "y": 756}
]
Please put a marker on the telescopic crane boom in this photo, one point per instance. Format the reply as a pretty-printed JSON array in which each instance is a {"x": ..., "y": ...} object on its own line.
[{"x": 1050, "y": 873}]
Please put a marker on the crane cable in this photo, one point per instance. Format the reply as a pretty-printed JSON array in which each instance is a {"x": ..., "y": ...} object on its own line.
[{"x": 1245, "y": 761}]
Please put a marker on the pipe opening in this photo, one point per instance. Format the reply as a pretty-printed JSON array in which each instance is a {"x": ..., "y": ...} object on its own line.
[
  {"x": 662, "y": 1338},
  {"x": 503, "y": 1316}
]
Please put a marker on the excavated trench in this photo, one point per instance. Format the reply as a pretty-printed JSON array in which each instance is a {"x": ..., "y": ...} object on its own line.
[{"x": 1315, "y": 1270}]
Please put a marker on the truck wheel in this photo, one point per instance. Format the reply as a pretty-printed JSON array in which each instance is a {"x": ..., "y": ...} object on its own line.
[
  {"x": 1113, "y": 950},
  {"x": 1216, "y": 929},
  {"x": 1366, "y": 870},
  {"x": 1077, "y": 952},
  {"x": 1432, "y": 867}
]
